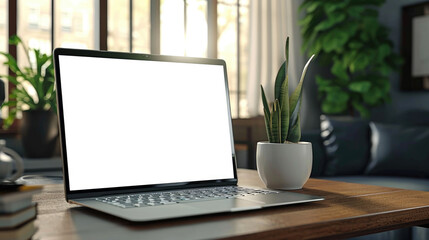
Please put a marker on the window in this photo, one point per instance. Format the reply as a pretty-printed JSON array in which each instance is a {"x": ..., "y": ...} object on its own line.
[
  {"x": 74, "y": 24},
  {"x": 3, "y": 33},
  {"x": 233, "y": 25},
  {"x": 118, "y": 36},
  {"x": 3, "y": 44},
  {"x": 141, "y": 26},
  {"x": 34, "y": 21},
  {"x": 183, "y": 30},
  {"x": 196, "y": 28},
  {"x": 184, "y": 27},
  {"x": 227, "y": 45},
  {"x": 243, "y": 57}
]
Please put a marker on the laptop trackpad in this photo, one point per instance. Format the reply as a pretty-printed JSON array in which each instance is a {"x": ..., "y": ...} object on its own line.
[{"x": 225, "y": 205}]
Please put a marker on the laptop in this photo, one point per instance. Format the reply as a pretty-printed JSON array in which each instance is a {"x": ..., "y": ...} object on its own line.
[{"x": 148, "y": 137}]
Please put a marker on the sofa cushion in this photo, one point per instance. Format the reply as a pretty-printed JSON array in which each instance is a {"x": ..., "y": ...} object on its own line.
[
  {"x": 346, "y": 144},
  {"x": 399, "y": 150}
]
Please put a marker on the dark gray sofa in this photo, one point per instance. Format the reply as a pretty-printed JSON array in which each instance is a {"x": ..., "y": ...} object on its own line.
[{"x": 391, "y": 154}]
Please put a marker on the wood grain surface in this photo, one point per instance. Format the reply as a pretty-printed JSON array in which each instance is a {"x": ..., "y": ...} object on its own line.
[{"x": 348, "y": 210}]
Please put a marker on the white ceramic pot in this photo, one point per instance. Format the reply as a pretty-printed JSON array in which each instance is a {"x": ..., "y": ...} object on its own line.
[{"x": 284, "y": 166}]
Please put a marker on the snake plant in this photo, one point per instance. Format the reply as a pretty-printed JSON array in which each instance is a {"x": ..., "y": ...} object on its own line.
[{"x": 282, "y": 120}]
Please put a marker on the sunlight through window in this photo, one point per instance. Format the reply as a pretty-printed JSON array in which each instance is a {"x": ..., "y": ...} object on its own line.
[
  {"x": 172, "y": 28},
  {"x": 118, "y": 36},
  {"x": 141, "y": 26},
  {"x": 3, "y": 47},
  {"x": 184, "y": 33},
  {"x": 74, "y": 23},
  {"x": 196, "y": 28}
]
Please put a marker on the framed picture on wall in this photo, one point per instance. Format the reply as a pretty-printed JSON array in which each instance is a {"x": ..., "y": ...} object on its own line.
[{"x": 415, "y": 47}]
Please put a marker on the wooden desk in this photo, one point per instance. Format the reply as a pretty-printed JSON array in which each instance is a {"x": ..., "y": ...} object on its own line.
[{"x": 349, "y": 210}]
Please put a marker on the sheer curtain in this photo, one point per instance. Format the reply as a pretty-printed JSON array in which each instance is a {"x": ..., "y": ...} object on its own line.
[{"x": 270, "y": 23}]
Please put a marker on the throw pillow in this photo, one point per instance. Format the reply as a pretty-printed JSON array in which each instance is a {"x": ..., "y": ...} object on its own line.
[
  {"x": 399, "y": 150},
  {"x": 347, "y": 145}
]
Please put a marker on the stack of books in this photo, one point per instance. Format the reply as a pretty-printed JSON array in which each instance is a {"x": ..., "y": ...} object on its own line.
[{"x": 17, "y": 211}]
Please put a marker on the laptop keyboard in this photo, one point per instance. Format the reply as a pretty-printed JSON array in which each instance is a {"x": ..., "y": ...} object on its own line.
[{"x": 182, "y": 196}]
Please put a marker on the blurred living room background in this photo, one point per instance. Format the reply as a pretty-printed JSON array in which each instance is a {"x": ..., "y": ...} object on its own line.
[{"x": 248, "y": 34}]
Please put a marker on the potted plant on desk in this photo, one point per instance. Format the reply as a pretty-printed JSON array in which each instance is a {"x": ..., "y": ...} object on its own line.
[
  {"x": 284, "y": 162},
  {"x": 34, "y": 96}
]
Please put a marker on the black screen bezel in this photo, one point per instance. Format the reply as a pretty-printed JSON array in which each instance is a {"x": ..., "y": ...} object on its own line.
[{"x": 141, "y": 188}]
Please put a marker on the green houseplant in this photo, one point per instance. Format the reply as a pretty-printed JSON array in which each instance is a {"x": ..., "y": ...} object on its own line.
[
  {"x": 284, "y": 162},
  {"x": 34, "y": 95},
  {"x": 282, "y": 120},
  {"x": 348, "y": 38}
]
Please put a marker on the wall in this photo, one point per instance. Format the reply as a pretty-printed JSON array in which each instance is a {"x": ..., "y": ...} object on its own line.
[{"x": 390, "y": 16}]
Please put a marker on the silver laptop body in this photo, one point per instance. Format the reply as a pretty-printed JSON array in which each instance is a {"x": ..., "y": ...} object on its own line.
[{"x": 138, "y": 126}]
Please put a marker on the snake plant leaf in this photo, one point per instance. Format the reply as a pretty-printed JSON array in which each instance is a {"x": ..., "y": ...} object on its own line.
[
  {"x": 279, "y": 120},
  {"x": 275, "y": 122},
  {"x": 287, "y": 54},
  {"x": 280, "y": 78},
  {"x": 282, "y": 73},
  {"x": 268, "y": 127},
  {"x": 295, "y": 101},
  {"x": 264, "y": 100},
  {"x": 295, "y": 133},
  {"x": 267, "y": 115},
  {"x": 284, "y": 103}
]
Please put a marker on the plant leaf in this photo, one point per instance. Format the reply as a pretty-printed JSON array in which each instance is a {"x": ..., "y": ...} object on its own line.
[
  {"x": 11, "y": 63},
  {"x": 268, "y": 129},
  {"x": 339, "y": 69},
  {"x": 267, "y": 115},
  {"x": 284, "y": 103},
  {"x": 295, "y": 102},
  {"x": 10, "y": 118},
  {"x": 282, "y": 73},
  {"x": 275, "y": 123},
  {"x": 264, "y": 100},
  {"x": 14, "y": 40},
  {"x": 363, "y": 111},
  {"x": 330, "y": 22},
  {"x": 360, "y": 86},
  {"x": 11, "y": 79},
  {"x": 295, "y": 133}
]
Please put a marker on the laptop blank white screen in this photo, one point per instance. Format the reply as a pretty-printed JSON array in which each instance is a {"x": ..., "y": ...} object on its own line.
[{"x": 139, "y": 122}]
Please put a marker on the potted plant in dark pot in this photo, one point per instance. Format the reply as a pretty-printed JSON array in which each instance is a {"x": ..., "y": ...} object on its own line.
[
  {"x": 284, "y": 162},
  {"x": 33, "y": 96}
]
